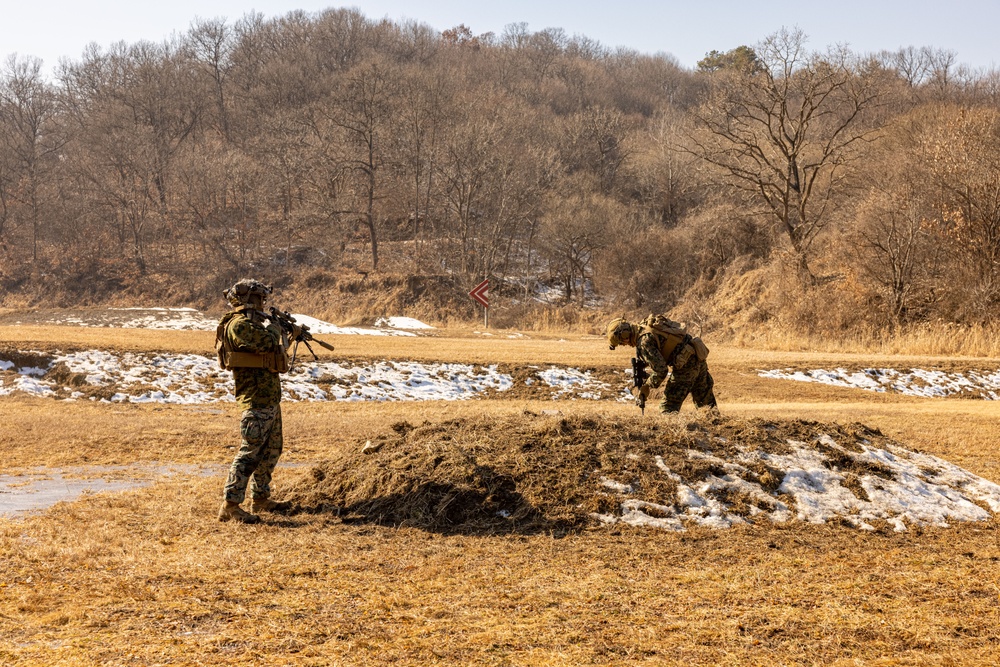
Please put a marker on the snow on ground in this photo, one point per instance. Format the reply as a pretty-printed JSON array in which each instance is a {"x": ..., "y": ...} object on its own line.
[
  {"x": 515, "y": 334},
  {"x": 193, "y": 378},
  {"x": 401, "y": 323},
  {"x": 915, "y": 382},
  {"x": 191, "y": 319},
  {"x": 904, "y": 489},
  {"x": 320, "y": 327},
  {"x": 127, "y": 318}
]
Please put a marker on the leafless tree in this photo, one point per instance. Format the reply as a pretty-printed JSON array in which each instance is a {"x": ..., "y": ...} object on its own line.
[
  {"x": 361, "y": 109},
  {"x": 575, "y": 229},
  {"x": 212, "y": 44},
  {"x": 29, "y": 139},
  {"x": 964, "y": 162},
  {"x": 894, "y": 246},
  {"x": 786, "y": 134}
]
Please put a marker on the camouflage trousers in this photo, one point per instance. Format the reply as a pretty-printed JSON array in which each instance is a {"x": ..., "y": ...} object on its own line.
[
  {"x": 693, "y": 378},
  {"x": 254, "y": 463}
]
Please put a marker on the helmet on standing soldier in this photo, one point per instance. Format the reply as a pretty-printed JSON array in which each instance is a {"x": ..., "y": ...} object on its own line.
[{"x": 246, "y": 290}]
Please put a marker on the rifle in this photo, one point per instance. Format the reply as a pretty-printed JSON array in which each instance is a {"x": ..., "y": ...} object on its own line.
[
  {"x": 639, "y": 377},
  {"x": 287, "y": 323}
]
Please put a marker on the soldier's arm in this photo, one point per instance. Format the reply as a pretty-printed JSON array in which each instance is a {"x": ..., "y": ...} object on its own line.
[
  {"x": 647, "y": 349},
  {"x": 253, "y": 337}
]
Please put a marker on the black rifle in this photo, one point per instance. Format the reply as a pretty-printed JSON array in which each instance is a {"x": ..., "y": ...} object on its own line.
[
  {"x": 639, "y": 377},
  {"x": 287, "y": 323}
]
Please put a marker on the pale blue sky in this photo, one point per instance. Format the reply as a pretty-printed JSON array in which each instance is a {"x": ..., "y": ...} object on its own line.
[{"x": 50, "y": 29}]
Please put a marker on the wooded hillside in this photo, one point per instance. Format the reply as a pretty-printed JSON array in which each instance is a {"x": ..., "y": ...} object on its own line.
[{"x": 342, "y": 158}]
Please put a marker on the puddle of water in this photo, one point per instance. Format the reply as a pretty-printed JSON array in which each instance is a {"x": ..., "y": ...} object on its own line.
[{"x": 44, "y": 487}]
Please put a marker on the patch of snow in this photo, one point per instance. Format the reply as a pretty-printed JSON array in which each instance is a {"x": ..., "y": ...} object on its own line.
[
  {"x": 401, "y": 323},
  {"x": 902, "y": 488},
  {"x": 916, "y": 382},
  {"x": 167, "y": 318},
  {"x": 549, "y": 294},
  {"x": 571, "y": 381},
  {"x": 194, "y": 320},
  {"x": 617, "y": 487},
  {"x": 320, "y": 327},
  {"x": 27, "y": 385},
  {"x": 193, "y": 379}
]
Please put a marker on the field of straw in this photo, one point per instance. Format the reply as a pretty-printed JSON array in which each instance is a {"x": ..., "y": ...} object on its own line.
[{"x": 149, "y": 576}]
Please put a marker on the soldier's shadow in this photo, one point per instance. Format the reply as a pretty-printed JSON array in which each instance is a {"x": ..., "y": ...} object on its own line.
[{"x": 491, "y": 508}]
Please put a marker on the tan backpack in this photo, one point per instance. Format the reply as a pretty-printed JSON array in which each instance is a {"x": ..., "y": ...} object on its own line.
[{"x": 674, "y": 337}]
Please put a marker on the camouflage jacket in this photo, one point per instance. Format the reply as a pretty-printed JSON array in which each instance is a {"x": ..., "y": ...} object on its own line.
[
  {"x": 647, "y": 348},
  {"x": 255, "y": 387}
]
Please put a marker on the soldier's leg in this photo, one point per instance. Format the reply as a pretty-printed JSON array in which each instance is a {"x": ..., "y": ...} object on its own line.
[
  {"x": 678, "y": 386},
  {"x": 260, "y": 484},
  {"x": 702, "y": 391},
  {"x": 255, "y": 429}
]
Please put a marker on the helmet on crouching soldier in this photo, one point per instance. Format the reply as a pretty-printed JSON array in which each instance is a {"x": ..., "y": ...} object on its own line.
[
  {"x": 620, "y": 332},
  {"x": 247, "y": 292}
]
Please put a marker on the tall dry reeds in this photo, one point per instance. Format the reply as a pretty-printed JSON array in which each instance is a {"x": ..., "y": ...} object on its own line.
[{"x": 943, "y": 339}]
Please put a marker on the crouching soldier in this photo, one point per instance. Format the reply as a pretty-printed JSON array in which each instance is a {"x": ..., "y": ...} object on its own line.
[
  {"x": 255, "y": 350},
  {"x": 663, "y": 344}
]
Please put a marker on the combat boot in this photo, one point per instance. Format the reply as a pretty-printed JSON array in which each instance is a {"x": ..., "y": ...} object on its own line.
[
  {"x": 268, "y": 505},
  {"x": 231, "y": 510}
]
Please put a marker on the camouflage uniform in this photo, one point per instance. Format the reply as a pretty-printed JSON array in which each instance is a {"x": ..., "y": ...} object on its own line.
[
  {"x": 690, "y": 378},
  {"x": 258, "y": 392}
]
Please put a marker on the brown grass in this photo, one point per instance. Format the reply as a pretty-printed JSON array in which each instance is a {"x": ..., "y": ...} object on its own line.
[
  {"x": 939, "y": 339},
  {"x": 150, "y": 577}
]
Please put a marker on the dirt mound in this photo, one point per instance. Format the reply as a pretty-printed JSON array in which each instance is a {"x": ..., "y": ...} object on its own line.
[{"x": 538, "y": 472}]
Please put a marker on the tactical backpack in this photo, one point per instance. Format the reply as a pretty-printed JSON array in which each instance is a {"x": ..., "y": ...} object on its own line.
[
  {"x": 676, "y": 344},
  {"x": 230, "y": 357}
]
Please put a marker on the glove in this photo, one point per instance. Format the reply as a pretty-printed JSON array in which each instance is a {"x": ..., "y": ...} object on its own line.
[
  {"x": 641, "y": 394},
  {"x": 296, "y": 331}
]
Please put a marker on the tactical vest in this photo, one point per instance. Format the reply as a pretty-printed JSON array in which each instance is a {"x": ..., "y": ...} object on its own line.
[
  {"x": 675, "y": 343},
  {"x": 230, "y": 357}
]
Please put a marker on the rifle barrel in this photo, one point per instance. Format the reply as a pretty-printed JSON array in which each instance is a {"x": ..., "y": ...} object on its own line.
[
  {"x": 322, "y": 343},
  {"x": 286, "y": 322}
]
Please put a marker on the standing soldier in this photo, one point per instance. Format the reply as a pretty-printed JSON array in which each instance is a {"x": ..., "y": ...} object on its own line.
[
  {"x": 255, "y": 349},
  {"x": 664, "y": 344}
]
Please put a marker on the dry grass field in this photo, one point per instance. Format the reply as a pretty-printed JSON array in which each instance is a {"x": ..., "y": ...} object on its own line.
[{"x": 150, "y": 577}]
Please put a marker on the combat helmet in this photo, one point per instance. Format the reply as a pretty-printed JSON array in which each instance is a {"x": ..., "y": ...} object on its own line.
[
  {"x": 620, "y": 332},
  {"x": 239, "y": 294}
]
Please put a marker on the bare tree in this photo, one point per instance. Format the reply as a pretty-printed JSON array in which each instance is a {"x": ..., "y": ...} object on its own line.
[
  {"x": 575, "y": 229},
  {"x": 894, "y": 246},
  {"x": 662, "y": 174},
  {"x": 786, "y": 133},
  {"x": 912, "y": 64},
  {"x": 596, "y": 141},
  {"x": 116, "y": 147},
  {"x": 29, "y": 139},
  {"x": 212, "y": 44},
  {"x": 362, "y": 110},
  {"x": 964, "y": 157},
  {"x": 418, "y": 126}
]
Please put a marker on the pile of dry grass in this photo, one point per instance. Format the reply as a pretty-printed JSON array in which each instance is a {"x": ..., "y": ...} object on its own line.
[{"x": 541, "y": 472}]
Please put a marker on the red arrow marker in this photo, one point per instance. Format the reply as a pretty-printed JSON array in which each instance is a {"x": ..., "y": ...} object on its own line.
[{"x": 479, "y": 293}]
